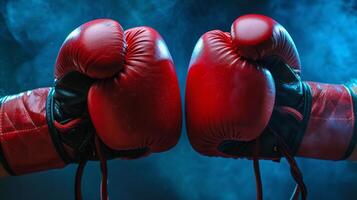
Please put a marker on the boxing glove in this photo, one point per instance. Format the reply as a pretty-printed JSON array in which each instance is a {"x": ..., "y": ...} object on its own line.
[
  {"x": 308, "y": 119},
  {"x": 315, "y": 120},
  {"x": 228, "y": 97},
  {"x": 50, "y": 127}
]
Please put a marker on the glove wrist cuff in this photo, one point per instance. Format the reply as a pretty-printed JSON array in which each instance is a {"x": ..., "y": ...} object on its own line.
[
  {"x": 25, "y": 141},
  {"x": 330, "y": 127}
]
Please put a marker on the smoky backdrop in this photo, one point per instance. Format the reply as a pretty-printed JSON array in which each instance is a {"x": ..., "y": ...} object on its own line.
[{"x": 325, "y": 33}]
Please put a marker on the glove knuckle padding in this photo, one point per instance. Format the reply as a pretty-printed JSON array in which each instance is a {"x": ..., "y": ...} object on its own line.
[
  {"x": 259, "y": 37},
  {"x": 140, "y": 106},
  {"x": 227, "y": 97},
  {"x": 95, "y": 49}
]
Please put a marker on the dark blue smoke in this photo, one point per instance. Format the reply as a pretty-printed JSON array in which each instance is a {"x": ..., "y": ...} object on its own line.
[{"x": 325, "y": 32}]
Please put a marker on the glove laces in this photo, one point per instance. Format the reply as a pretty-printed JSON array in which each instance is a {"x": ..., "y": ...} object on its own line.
[
  {"x": 104, "y": 171},
  {"x": 300, "y": 187}
]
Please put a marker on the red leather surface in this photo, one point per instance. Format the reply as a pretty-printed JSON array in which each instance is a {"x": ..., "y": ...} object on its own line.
[
  {"x": 331, "y": 123},
  {"x": 96, "y": 49},
  {"x": 24, "y": 134},
  {"x": 258, "y": 37},
  {"x": 139, "y": 107},
  {"x": 227, "y": 97}
]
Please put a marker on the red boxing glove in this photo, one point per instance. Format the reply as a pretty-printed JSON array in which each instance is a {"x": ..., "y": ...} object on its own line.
[
  {"x": 309, "y": 119},
  {"x": 221, "y": 103},
  {"x": 316, "y": 120},
  {"x": 133, "y": 101}
]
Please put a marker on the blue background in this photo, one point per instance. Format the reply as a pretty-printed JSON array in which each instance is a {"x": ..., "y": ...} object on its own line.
[{"x": 325, "y": 32}]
